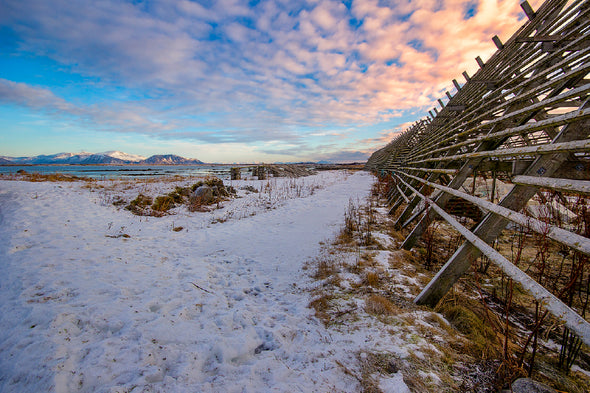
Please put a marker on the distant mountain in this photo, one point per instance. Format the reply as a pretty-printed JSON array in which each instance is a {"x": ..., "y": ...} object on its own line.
[
  {"x": 124, "y": 156},
  {"x": 169, "y": 159},
  {"x": 110, "y": 157},
  {"x": 60, "y": 158}
]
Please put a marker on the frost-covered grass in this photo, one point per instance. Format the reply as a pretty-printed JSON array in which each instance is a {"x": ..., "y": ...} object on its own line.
[
  {"x": 364, "y": 288},
  {"x": 365, "y": 283}
]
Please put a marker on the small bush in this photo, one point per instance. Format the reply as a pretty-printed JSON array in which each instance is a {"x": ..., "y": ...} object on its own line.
[
  {"x": 139, "y": 204},
  {"x": 214, "y": 182},
  {"x": 119, "y": 201},
  {"x": 179, "y": 194},
  {"x": 182, "y": 191},
  {"x": 195, "y": 205},
  {"x": 163, "y": 203},
  {"x": 146, "y": 206},
  {"x": 216, "y": 185}
]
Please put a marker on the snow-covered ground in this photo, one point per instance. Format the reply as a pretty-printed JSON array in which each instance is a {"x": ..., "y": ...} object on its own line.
[{"x": 94, "y": 298}]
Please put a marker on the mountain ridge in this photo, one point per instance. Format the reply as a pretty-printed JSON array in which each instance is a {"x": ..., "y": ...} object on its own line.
[{"x": 110, "y": 158}]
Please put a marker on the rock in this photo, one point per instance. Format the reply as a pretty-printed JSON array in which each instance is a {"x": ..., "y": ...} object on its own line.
[
  {"x": 202, "y": 195},
  {"x": 527, "y": 385}
]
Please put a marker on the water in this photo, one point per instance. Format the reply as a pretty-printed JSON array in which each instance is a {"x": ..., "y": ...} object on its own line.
[{"x": 126, "y": 171}]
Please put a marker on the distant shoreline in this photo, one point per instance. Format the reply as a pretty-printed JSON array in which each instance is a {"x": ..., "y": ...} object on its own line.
[{"x": 112, "y": 171}]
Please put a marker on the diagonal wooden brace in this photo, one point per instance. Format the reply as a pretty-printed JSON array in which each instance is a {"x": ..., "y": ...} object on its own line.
[{"x": 492, "y": 224}]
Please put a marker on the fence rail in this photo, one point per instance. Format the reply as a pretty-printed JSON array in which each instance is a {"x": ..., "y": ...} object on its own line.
[{"x": 524, "y": 116}]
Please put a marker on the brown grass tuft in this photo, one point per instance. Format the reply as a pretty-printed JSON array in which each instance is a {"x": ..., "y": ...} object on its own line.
[
  {"x": 372, "y": 279},
  {"x": 379, "y": 305},
  {"x": 324, "y": 268},
  {"x": 321, "y": 305},
  {"x": 469, "y": 317}
]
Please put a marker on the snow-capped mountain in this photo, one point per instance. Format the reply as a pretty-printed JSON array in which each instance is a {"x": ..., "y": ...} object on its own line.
[
  {"x": 170, "y": 159},
  {"x": 59, "y": 158},
  {"x": 109, "y": 157},
  {"x": 123, "y": 156}
]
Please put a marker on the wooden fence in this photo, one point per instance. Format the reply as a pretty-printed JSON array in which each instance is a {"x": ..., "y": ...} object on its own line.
[{"x": 525, "y": 116}]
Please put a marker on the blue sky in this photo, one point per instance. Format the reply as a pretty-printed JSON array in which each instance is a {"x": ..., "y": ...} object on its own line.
[{"x": 233, "y": 81}]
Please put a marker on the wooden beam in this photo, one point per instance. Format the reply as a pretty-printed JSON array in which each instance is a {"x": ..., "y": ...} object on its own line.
[
  {"x": 573, "y": 240},
  {"x": 573, "y": 146},
  {"x": 456, "y": 108},
  {"x": 528, "y": 10},
  {"x": 564, "y": 314},
  {"x": 480, "y": 62},
  {"x": 577, "y": 186},
  {"x": 492, "y": 224},
  {"x": 498, "y": 42}
]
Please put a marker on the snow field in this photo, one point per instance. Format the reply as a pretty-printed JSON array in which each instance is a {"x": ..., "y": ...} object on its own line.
[{"x": 218, "y": 306}]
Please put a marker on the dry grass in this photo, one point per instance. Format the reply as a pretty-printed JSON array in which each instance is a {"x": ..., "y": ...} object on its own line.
[
  {"x": 372, "y": 365},
  {"x": 470, "y": 318},
  {"x": 324, "y": 267},
  {"x": 373, "y": 279},
  {"x": 379, "y": 305},
  {"x": 322, "y": 307},
  {"x": 344, "y": 237},
  {"x": 467, "y": 344},
  {"x": 39, "y": 177}
]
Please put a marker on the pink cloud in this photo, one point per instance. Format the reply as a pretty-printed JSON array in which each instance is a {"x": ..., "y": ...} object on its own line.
[{"x": 305, "y": 64}]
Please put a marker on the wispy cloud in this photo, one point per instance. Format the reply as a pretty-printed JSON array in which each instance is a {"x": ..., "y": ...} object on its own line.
[{"x": 274, "y": 71}]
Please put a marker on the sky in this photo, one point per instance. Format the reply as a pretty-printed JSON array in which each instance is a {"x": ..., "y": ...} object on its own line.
[{"x": 233, "y": 81}]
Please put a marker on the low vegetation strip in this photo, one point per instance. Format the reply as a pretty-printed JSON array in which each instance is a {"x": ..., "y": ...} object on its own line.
[{"x": 483, "y": 335}]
